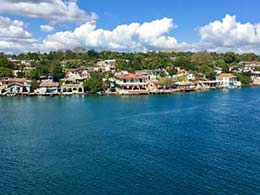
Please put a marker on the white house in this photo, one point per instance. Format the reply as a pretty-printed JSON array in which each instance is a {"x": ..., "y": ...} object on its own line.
[
  {"x": 190, "y": 77},
  {"x": 15, "y": 86},
  {"x": 131, "y": 84},
  {"x": 228, "y": 80},
  {"x": 70, "y": 89},
  {"x": 48, "y": 88},
  {"x": 18, "y": 88}
]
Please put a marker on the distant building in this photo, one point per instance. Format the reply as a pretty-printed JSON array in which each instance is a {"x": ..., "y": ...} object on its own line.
[
  {"x": 131, "y": 84},
  {"x": 151, "y": 74},
  {"x": 191, "y": 77},
  {"x": 76, "y": 75},
  {"x": 211, "y": 84},
  {"x": 228, "y": 80},
  {"x": 18, "y": 88},
  {"x": 15, "y": 86},
  {"x": 70, "y": 89},
  {"x": 106, "y": 66},
  {"x": 48, "y": 88}
]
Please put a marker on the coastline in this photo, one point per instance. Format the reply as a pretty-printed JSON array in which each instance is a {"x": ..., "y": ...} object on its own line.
[{"x": 124, "y": 95}]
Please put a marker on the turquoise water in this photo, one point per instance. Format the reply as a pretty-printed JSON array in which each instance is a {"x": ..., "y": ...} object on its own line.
[{"x": 200, "y": 143}]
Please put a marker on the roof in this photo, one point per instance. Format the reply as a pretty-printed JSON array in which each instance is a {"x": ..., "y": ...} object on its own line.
[
  {"x": 184, "y": 83},
  {"x": 129, "y": 76},
  {"x": 226, "y": 75},
  {"x": 19, "y": 84},
  {"x": 18, "y": 80},
  {"x": 49, "y": 84}
]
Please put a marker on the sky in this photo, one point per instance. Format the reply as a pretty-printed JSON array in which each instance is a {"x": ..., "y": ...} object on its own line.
[{"x": 130, "y": 26}]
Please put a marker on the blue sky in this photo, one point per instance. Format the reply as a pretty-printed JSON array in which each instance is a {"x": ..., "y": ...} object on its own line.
[
  {"x": 191, "y": 19},
  {"x": 187, "y": 14}
]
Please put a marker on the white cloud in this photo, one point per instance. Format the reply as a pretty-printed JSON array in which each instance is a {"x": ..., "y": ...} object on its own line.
[
  {"x": 224, "y": 35},
  {"x": 54, "y": 11},
  {"x": 230, "y": 35},
  {"x": 132, "y": 37},
  {"x": 13, "y": 36},
  {"x": 47, "y": 28}
]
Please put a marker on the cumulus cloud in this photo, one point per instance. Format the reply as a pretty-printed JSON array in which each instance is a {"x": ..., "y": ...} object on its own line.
[
  {"x": 46, "y": 28},
  {"x": 222, "y": 35},
  {"x": 53, "y": 10},
  {"x": 13, "y": 36},
  {"x": 219, "y": 36},
  {"x": 132, "y": 37},
  {"x": 230, "y": 35}
]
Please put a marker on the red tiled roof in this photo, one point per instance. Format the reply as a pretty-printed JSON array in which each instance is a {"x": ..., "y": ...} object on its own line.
[
  {"x": 19, "y": 84},
  {"x": 226, "y": 75},
  {"x": 129, "y": 76},
  {"x": 18, "y": 80},
  {"x": 49, "y": 84}
]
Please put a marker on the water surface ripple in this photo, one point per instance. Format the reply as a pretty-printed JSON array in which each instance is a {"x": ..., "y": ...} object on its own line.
[{"x": 199, "y": 143}]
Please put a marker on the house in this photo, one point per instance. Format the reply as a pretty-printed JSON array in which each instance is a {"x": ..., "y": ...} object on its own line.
[
  {"x": 70, "y": 89},
  {"x": 181, "y": 71},
  {"x": 15, "y": 86},
  {"x": 191, "y": 77},
  {"x": 18, "y": 89},
  {"x": 46, "y": 79},
  {"x": 151, "y": 74},
  {"x": 106, "y": 66},
  {"x": 76, "y": 75},
  {"x": 255, "y": 75},
  {"x": 218, "y": 70},
  {"x": 48, "y": 88},
  {"x": 128, "y": 83},
  {"x": 210, "y": 84},
  {"x": 228, "y": 80},
  {"x": 1, "y": 87},
  {"x": 185, "y": 86}
]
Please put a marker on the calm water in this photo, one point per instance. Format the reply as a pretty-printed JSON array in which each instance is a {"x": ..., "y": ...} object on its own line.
[{"x": 201, "y": 143}]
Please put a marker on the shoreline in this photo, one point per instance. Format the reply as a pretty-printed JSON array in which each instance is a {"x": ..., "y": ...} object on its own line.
[{"x": 125, "y": 95}]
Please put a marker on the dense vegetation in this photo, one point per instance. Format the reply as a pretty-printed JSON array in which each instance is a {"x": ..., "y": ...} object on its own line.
[{"x": 50, "y": 64}]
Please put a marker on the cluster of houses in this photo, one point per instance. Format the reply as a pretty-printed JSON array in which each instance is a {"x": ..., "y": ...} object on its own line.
[
  {"x": 126, "y": 83},
  {"x": 146, "y": 82}
]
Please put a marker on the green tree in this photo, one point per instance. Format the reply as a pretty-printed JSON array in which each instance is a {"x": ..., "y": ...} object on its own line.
[
  {"x": 172, "y": 71},
  {"x": 230, "y": 57},
  {"x": 34, "y": 85},
  {"x": 5, "y": 63},
  {"x": 55, "y": 70},
  {"x": 20, "y": 74},
  {"x": 248, "y": 57},
  {"x": 202, "y": 58},
  {"x": 244, "y": 78},
  {"x": 5, "y": 72},
  {"x": 94, "y": 84},
  {"x": 184, "y": 62}
]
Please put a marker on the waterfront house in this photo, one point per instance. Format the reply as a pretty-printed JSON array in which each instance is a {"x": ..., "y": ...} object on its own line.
[
  {"x": 17, "y": 89},
  {"x": 70, "y": 89},
  {"x": 228, "y": 80},
  {"x": 15, "y": 86},
  {"x": 210, "y": 84},
  {"x": 255, "y": 76},
  {"x": 48, "y": 88},
  {"x": 185, "y": 86},
  {"x": 128, "y": 83}
]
